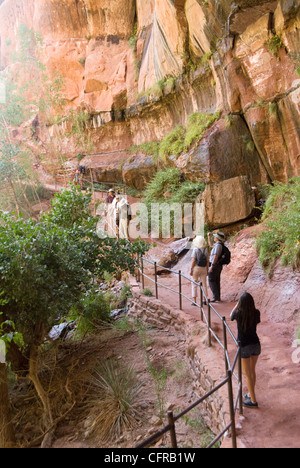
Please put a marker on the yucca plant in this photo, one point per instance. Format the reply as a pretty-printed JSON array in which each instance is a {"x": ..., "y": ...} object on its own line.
[{"x": 115, "y": 408}]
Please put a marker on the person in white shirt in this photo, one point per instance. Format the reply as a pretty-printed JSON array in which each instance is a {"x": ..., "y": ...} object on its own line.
[{"x": 199, "y": 268}]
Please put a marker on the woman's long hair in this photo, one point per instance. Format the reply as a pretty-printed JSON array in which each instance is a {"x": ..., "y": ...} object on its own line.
[{"x": 246, "y": 308}]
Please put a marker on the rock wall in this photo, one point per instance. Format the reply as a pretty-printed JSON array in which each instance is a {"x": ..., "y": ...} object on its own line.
[
  {"x": 141, "y": 67},
  {"x": 276, "y": 296}
]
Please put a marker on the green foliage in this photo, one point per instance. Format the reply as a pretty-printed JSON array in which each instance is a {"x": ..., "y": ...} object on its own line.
[
  {"x": 149, "y": 149},
  {"x": 147, "y": 292},
  {"x": 93, "y": 309},
  {"x": 182, "y": 138},
  {"x": 281, "y": 220},
  {"x": 28, "y": 87},
  {"x": 173, "y": 143},
  {"x": 115, "y": 407},
  {"x": 197, "y": 124},
  {"x": 47, "y": 267},
  {"x": 169, "y": 182},
  {"x": 274, "y": 44}
]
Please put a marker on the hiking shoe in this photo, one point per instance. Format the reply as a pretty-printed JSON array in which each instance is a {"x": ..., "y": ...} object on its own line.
[{"x": 250, "y": 404}]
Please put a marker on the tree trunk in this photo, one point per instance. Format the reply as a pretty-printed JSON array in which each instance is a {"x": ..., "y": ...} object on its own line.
[
  {"x": 7, "y": 436},
  {"x": 34, "y": 377}
]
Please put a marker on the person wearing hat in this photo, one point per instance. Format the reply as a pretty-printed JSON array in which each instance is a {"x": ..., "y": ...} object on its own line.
[{"x": 215, "y": 268}]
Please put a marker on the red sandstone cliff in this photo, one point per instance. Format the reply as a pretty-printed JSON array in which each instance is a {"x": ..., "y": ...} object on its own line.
[{"x": 240, "y": 58}]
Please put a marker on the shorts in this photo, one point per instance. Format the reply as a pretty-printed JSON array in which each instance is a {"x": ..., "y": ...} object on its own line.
[{"x": 251, "y": 350}]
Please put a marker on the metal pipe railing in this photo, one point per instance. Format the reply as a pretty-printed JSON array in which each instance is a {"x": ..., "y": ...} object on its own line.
[{"x": 234, "y": 403}]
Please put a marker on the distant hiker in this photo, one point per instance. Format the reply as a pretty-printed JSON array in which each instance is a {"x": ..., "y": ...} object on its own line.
[
  {"x": 199, "y": 268},
  {"x": 110, "y": 213},
  {"x": 76, "y": 177},
  {"x": 110, "y": 197},
  {"x": 248, "y": 317},
  {"x": 216, "y": 263}
]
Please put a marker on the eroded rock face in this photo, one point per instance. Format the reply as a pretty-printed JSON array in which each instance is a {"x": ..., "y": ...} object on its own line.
[
  {"x": 229, "y": 201},
  {"x": 277, "y": 295}
]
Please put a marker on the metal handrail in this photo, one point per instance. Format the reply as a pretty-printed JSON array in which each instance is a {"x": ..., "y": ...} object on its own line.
[{"x": 233, "y": 404}]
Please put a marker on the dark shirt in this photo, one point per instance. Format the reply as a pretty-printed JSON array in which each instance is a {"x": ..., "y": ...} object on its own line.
[
  {"x": 249, "y": 337},
  {"x": 109, "y": 199}
]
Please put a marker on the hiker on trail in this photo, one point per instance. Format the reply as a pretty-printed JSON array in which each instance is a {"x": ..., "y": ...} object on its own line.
[
  {"x": 110, "y": 197},
  {"x": 248, "y": 317},
  {"x": 215, "y": 267},
  {"x": 110, "y": 213},
  {"x": 123, "y": 217},
  {"x": 199, "y": 268},
  {"x": 76, "y": 177}
]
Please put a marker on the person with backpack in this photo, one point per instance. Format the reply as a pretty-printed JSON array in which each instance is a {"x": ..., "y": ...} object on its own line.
[
  {"x": 220, "y": 255},
  {"x": 199, "y": 268}
]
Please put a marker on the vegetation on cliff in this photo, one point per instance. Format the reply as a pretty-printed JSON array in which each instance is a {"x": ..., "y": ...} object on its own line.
[
  {"x": 169, "y": 187},
  {"x": 180, "y": 139},
  {"x": 50, "y": 266},
  {"x": 281, "y": 220}
]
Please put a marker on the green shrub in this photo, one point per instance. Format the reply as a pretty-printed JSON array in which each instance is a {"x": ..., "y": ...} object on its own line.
[
  {"x": 281, "y": 220},
  {"x": 179, "y": 139},
  {"x": 182, "y": 138},
  {"x": 164, "y": 181},
  {"x": 173, "y": 143},
  {"x": 114, "y": 409},
  {"x": 274, "y": 44},
  {"x": 170, "y": 182},
  {"x": 197, "y": 124}
]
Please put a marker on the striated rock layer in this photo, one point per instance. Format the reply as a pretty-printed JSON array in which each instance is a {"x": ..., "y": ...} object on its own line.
[{"x": 141, "y": 67}]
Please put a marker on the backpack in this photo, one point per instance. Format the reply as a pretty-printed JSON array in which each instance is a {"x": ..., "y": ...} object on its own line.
[
  {"x": 201, "y": 260},
  {"x": 225, "y": 258}
]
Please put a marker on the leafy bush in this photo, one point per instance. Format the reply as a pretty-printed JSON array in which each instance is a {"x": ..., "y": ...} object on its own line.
[
  {"x": 179, "y": 139},
  {"x": 169, "y": 187},
  {"x": 173, "y": 143},
  {"x": 164, "y": 181},
  {"x": 281, "y": 219},
  {"x": 197, "y": 124},
  {"x": 93, "y": 309}
]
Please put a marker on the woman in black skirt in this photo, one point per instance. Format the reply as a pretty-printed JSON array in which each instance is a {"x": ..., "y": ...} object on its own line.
[{"x": 248, "y": 317}]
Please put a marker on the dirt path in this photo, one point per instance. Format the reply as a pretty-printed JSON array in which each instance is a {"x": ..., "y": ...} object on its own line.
[{"x": 276, "y": 423}]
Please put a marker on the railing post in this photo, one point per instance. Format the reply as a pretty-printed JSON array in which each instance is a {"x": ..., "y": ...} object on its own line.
[
  {"x": 225, "y": 343},
  {"x": 180, "y": 291},
  {"x": 209, "y": 323},
  {"x": 240, "y": 380},
  {"x": 201, "y": 301},
  {"x": 172, "y": 429},
  {"x": 231, "y": 408},
  {"x": 138, "y": 276},
  {"x": 156, "y": 285}
]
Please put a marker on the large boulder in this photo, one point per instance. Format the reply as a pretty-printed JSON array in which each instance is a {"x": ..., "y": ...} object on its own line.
[
  {"x": 228, "y": 202},
  {"x": 138, "y": 171}
]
